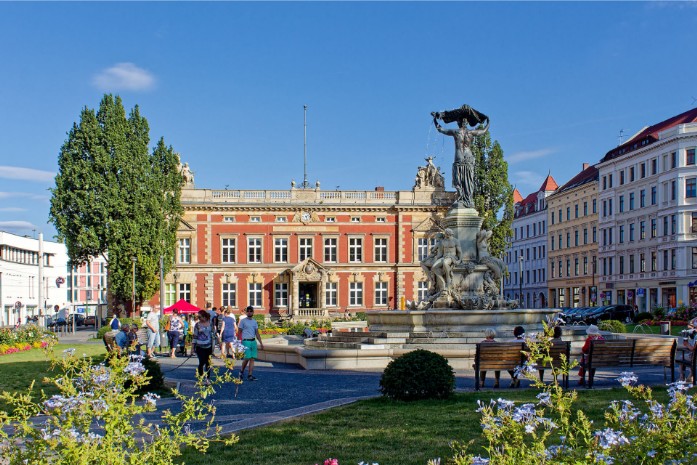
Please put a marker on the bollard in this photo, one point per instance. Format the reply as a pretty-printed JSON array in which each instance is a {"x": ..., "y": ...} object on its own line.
[{"x": 665, "y": 328}]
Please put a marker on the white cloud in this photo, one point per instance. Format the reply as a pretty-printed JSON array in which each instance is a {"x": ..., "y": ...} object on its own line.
[
  {"x": 526, "y": 178},
  {"x": 17, "y": 225},
  {"x": 12, "y": 209},
  {"x": 529, "y": 155},
  {"x": 23, "y": 195},
  {"x": 26, "y": 174},
  {"x": 124, "y": 76}
]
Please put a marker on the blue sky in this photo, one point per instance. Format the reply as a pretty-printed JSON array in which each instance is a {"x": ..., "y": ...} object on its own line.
[{"x": 225, "y": 85}]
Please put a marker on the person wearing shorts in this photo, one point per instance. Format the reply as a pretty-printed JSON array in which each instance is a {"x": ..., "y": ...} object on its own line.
[
  {"x": 250, "y": 335},
  {"x": 153, "y": 324}
]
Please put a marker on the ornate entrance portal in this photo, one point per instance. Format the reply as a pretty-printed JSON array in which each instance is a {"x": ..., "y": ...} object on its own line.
[{"x": 308, "y": 280}]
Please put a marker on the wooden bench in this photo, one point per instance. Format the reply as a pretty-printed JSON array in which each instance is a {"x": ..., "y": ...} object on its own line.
[
  {"x": 556, "y": 350},
  {"x": 685, "y": 359},
  {"x": 497, "y": 356},
  {"x": 630, "y": 353}
]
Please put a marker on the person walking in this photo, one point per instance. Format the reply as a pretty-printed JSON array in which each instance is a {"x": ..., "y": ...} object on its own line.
[
  {"x": 175, "y": 332},
  {"x": 228, "y": 333},
  {"x": 153, "y": 324},
  {"x": 250, "y": 336},
  {"x": 203, "y": 345}
]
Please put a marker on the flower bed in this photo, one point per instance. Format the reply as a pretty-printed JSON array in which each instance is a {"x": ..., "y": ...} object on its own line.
[{"x": 7, "y": 349}]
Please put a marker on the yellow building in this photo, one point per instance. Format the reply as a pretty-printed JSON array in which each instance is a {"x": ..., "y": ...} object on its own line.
[{"x": 572, "y": 241}]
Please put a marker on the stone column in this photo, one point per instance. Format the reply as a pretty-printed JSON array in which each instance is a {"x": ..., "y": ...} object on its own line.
[{"x": 465, "y": 223}]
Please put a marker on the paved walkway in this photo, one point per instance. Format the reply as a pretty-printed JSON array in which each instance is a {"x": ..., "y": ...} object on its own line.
[{"x": 288, "y": 391}]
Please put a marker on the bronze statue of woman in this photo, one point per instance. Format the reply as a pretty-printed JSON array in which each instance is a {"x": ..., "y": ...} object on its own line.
[{"x": 463, "y": 166}]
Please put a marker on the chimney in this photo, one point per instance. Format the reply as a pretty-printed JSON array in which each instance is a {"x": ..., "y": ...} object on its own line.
[
  {"x": 379, "y": 189},
  {"x": 585, "y": 166}
]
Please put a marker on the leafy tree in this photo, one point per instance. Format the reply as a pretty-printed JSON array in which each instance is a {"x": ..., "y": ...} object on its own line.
[
  {"x": 493, "y": 194},
  {"x": 114, "y": 198}
]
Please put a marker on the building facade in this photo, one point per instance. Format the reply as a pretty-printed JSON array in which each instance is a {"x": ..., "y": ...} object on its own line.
[
  {"x": 305, "y": 252},
  {"x": 573, "y": 230},
  {"x": 526, "y": 257},
  {"x": 25, "y": 292},
  {"x": 648, "y": 217}
]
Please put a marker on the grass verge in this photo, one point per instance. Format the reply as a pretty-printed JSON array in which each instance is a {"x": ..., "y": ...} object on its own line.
[{"x": 380, "y": 430}]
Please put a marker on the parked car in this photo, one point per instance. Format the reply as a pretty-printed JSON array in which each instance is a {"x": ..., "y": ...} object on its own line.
[
  {"x": 624, "y": 313},
  {"x": 90, "y": 320}
]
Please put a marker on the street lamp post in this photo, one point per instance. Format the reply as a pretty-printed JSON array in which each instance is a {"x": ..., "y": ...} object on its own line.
[
  {"x": 133, "y": 301},
  {"x": 520, "y": 278},
  {"x": 594, "y": 291}
]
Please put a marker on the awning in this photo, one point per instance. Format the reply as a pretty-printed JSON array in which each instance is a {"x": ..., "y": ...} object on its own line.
[{"x": 183, "y": 306}]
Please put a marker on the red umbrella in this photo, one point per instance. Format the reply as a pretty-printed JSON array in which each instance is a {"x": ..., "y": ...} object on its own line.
[{"x": 183, "y": 306}]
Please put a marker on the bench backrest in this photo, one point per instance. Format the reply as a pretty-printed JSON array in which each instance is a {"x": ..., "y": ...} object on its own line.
[
  {"x": 556, "y": 350},
  {"x": 654, "y": 351},
  {"x": 611, "y": 353},
  {"x": 499, "y": 355}
]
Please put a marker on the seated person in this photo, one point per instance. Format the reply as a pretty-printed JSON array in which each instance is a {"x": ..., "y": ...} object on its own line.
[
  {"x": 690, "y": 343},
  {"x": 519, "y": 334},
  {"x": 490, "y": 336},
  {"x": 134, "y": 344},
  {"x": 121, "y": 340},
  {"x": 593, "y": 334}
]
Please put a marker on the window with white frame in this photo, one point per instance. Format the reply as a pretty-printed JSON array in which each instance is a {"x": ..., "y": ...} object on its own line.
[
  {"x": 254, "y": 297},
  {"x": 185, "y": 250},
  {"x": 184, "y": 292},
  {"x": 381, "y": 293},
  {"x": 355, "y": 294},
  {"x": 228, "y": 219},
  {"x": 281, "y": 219},
  {"x": 170, "y": 295},
  {"x": 227, "y": 249},
  {"x": 330, "y": 294},
  {"x": 229, "y": 294},
  {"x": 355, "y": 249},
  {"x": 255, "y": 219},
  {"x": 380, "y": 250},
  {"x": 305, "y": 248},
  {"x": 280, "y": 250},
  {"x": 690, "y": 156},
  {"x": 421, "y": 290},
  {"x": 281, "y": 294},
  {"x": 422, "y": 248},
  {"x": 330, "y": 219},
  {"x": 380, "y": 219},
  {"x": 691, "y": 188},
  {"x": 254, "y": 250},
  {"x": 330, "y": 249},
  {"x": 355, "y": 219}
]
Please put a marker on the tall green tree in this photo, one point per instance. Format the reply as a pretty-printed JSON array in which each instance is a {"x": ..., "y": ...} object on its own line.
[
  {"x": 493, "y": 195},
  {"x": 113, "y": 197}
]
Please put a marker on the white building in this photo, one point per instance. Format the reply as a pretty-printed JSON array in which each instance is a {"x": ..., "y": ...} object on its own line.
[
  {"x": 648, "y": 217},
  {"x": 22, "y": 292},
  {"x": 526, "y": 257}
]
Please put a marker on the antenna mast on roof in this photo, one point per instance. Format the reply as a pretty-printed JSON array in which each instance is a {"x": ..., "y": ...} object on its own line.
[
  {"x": 305, "y": 183},
  {"x": 619, "y": 138}
]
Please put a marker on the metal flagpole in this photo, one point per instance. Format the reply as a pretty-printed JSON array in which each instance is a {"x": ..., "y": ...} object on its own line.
[{"x": 305, "y": 183}]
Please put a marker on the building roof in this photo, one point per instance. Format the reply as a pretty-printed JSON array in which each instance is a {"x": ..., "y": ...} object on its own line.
[
  {"x": 588, "y": 174},
  {"x": 649, "y": 135},
  {"x": 549, "y": 184},
  {"x": 517, "y": 197}
]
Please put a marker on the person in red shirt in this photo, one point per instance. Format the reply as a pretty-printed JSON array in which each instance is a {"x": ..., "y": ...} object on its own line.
[{"x": 593, "y": 335}]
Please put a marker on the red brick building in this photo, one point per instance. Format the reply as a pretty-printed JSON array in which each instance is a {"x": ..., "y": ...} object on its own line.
[{"x": 306, "y": 252}]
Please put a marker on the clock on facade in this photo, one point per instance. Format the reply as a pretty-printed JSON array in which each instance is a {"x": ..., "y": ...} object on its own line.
[{"x": 305, "y": 217}]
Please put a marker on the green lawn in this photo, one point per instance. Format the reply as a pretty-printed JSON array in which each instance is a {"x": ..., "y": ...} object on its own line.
[
  {"x": 18, "y": 370},
  {"x": 644, "y": 329},
  {"x": 379, "y": 430}
]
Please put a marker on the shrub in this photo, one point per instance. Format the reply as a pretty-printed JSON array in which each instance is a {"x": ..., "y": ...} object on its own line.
[
  {"x": 419, "y": 374},
  {"x": 643, "y": 316},
  {"x": 659, "y": 313},
  {"x": 614, "y": 326},
  {"x": 124, "y": 321}
]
